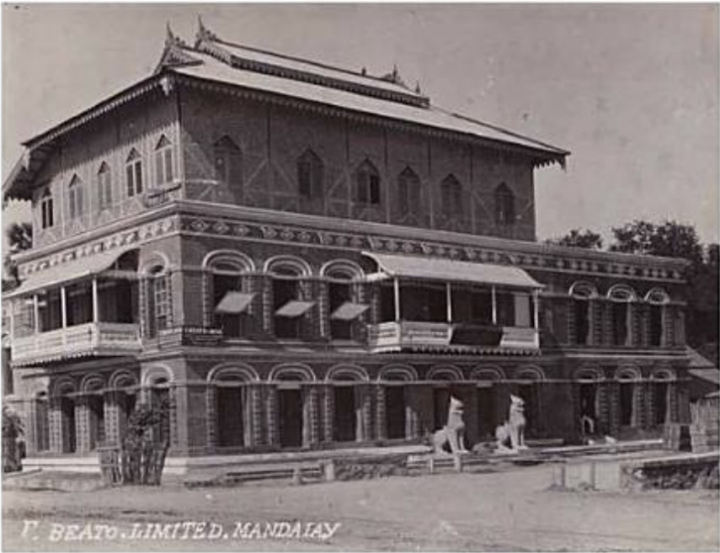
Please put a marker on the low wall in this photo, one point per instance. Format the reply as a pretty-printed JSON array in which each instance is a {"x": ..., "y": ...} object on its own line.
[{"x": 675, "y": 472}]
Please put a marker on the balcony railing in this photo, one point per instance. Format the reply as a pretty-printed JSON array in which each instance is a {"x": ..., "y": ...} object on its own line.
[
  {"x": 102, "y": 338},
  {"x": 396, "y": 336}
]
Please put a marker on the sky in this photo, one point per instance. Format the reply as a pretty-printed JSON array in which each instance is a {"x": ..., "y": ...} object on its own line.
[{"x": 631, "y": 90}]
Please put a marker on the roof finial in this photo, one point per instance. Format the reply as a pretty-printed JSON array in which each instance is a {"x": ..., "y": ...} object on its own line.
[
  {"x": 363, "y": 71},
  {"x": 203, "y": 33},
  {"x": 417, "y": 87},
  {"x": 171, "y": 39},
  {"x": 395, "y": 73}
]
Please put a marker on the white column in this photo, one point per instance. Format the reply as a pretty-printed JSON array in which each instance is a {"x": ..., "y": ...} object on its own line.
[
  {"x": 63, "y": 307},
  {"x": 396, "y": 284},
  {"x": 95, "y": 305},
  {"x": 36, "y": 314},
  {"x": 448, "y": 301},
  {"x": 494, "y": 306},
  {"x": 536, "y": 310}
]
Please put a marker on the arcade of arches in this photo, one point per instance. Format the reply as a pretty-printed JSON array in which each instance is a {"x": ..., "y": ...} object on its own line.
[{"x": 233, "y": 409}]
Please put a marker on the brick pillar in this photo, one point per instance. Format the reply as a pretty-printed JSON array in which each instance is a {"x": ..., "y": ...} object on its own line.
[
  {"x": 310, "y": 321},
  {"x": 650, "y": 407},
  {"x": 55, "y": 421},
  {"x": 208, "y": 309},
  {"x": 672, "y": 402},
  {"x": 572, "y": 336},
  {"x": 683, "y": 402},
  {"x": 470, "y": 414},
  {"x": 211, "y": 414},
  {"x": 638, "y": 408},
  {"x": 328, "y": 413},
  {"x": 82, "y": 423},
  {"x": 323, "y": 309},
  {"x": 271, "y": 414},
  {"x": 268, "y": 319},
  {"x": 111, "y": 409},
  {"x": 256, "y": 424},
  {"x": 311, "y": 416},
  {"x": 380, "y": 414}
]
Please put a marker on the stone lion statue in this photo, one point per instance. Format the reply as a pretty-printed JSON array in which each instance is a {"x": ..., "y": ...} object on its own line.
[
  {"x": 453, "y": 434},
  {"x": 510, "y": 436}
]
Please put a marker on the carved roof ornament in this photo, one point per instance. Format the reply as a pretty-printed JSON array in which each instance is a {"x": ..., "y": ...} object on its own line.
[
  {"x": 176, "y": 52},
  {"x": 173, "y": 41},
  {"x": 203, "y": 33}
]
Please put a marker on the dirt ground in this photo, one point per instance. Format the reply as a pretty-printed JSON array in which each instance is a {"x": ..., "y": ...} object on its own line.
[{"x": 458, "y": 512}]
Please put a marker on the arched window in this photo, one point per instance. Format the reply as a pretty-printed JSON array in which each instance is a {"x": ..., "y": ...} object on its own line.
[
  {"x": 342, "y": 307},
  {"x": 134, "y": 173},
  {"x": 367, "y": 183},
  {"x": 504, "y": 205},
  {"x": 581, "y": 293},
  {"x": 104, "y": 183},
  {"x": 658, "y": 300},
  {"x": 228, "y": 163},
  {"x": 310, "y": 175},
  {"x": 232, "y": 408},
  {"x": 75, "y": 198},
  {"x": 163, "y": 161},
  {"x": 231, "y": 300},
  {"x": 47, "y": 210},
  {"x": 409, "y": 193},
  {"x": 290, "y": 303},
  {"x": 451, "y": 197},
  {"x": 159, "y": 301},
  {"x": 42, "y": 422},
  {"x": 621, "y": 297}
]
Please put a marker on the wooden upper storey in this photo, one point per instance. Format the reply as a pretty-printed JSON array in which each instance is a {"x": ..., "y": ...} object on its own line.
[{"x": 228, "y": 124}]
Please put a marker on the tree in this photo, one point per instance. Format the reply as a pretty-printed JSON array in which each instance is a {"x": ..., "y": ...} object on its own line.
[
  {"x": 578, "y": 238},
  {"x": 669, "y": 239},
  {"x": 19, "y": 237}
]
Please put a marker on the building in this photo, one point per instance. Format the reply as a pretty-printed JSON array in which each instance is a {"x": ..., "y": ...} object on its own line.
[{"x": 298, "y": 256}]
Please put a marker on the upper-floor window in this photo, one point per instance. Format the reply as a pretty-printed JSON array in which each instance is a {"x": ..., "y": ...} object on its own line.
[
  {"x": 658, "y": 300},
  {"x": 163, "y": 161},
  {"x": 291, "y": 297},
  {"x": 582, "y": 293},
  {"x": 228, "y": 162},
  {"x": 134, "y": 173},
  {"x": 47, "y": 211},
  {"x": 621, "y": 314},
  {"x": 75, "y": 198},
  {"x": 310, "y": 175},
  {"x": 104, "y": 182},
  {"x": 409, "y": 192},
  {"x": 367, "y": 182},
  {"x": 159, "y": 299},
  {"x": 451, "y": 201},
  {"x": 231, "y": 299},
  {"x": 504, "y": 205}
]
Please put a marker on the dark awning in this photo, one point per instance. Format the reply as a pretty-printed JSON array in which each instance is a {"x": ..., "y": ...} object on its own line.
[{"x": 449, "y": 270}]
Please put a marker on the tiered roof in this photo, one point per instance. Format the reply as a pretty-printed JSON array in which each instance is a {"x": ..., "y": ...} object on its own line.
[{"x": 214, "y": 60}]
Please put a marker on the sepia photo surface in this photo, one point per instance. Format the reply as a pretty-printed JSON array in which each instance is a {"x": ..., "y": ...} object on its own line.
[{"x": 360, "y": 277}]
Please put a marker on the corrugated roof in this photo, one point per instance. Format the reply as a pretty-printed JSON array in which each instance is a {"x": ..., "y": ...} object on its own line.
[
  {"x": 215, "y": 70},
  {"x": 413, "y": 266},
  {"x": 312, "y": 68},
  {"x": 65, "y": 273}
]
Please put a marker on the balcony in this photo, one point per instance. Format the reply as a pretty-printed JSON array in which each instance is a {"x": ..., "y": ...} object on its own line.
[
  {"x": 434, "y": 336},
  {"x": 90, "y": 339}
]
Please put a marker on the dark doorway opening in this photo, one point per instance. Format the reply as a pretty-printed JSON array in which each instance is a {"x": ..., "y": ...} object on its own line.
[
  {"x": 229, "y": 416},
  {"x": 528, "y": 393},
  {"x": 67, "y": 408},
  {"x": 395, "y": 412},
  {"x": 627, "y": 390},
  {"x": 96, "y": 406},
  {"x": 487, "y": 412},
  {"x": 661, "y": 402},
  {"x": 588, "y": 412},
  {"x": 345, "y": 414},
  {"x": 291, "y": 417},
  {"x": 441, "y": 403}
]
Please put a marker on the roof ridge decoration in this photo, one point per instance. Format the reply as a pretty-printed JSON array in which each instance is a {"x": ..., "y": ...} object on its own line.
[
  {"x": 175, "y": 53},
  {"x": 240, "y": 56}
]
